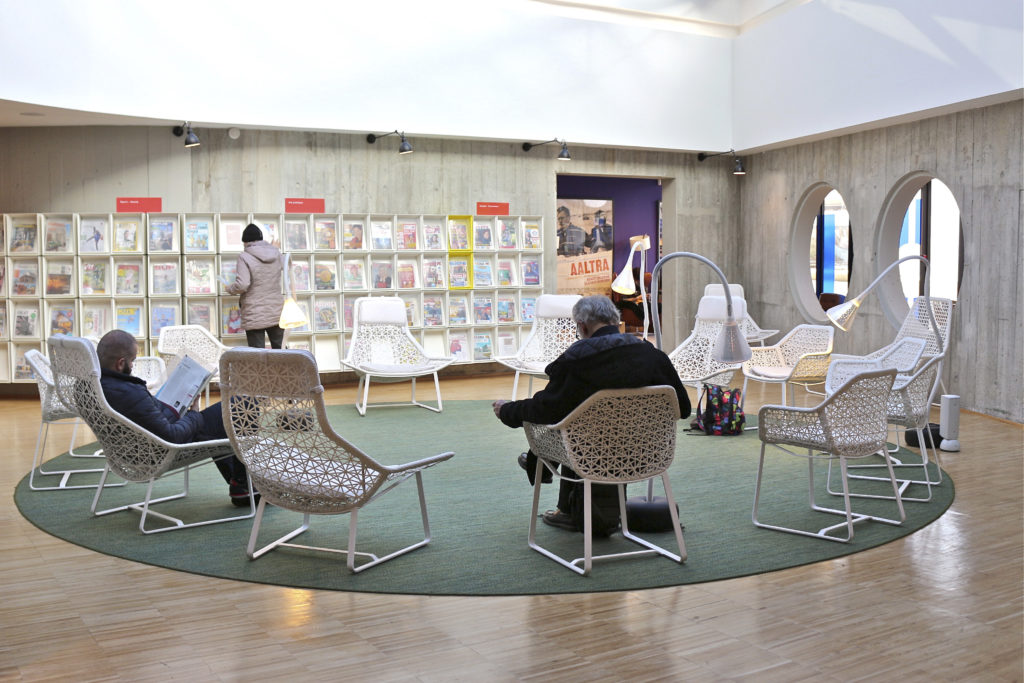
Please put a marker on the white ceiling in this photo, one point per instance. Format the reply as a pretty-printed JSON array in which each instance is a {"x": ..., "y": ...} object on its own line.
[{"x": 722, "y": 18}]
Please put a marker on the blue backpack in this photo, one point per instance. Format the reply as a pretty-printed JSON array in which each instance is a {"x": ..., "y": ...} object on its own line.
[{"x": 723, "y": 415}]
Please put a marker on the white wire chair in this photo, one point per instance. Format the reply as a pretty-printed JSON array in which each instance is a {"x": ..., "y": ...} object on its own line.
[
  {"x": 907, "y": 408},
  {"x": 55, "y": 411},
  {"x": 693, "y": 359},
  {"x": 616, "y": 436},
  {"x": 552, "y": 332},
  {"x": 152, "y": 369},
  {"x": 132, "y": 453},
  {"x": 801, "y": 357},
  {"x": 382, "y": 348},
  {"x": 198, "y": 342},
  {"x": 754, "y": 333},
  {"x": 851, "y": 423},
  {"x": 275, "y": 416}
]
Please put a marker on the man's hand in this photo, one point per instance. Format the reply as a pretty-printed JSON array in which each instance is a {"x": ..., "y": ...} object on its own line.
[{"x": 497, "y": 406}]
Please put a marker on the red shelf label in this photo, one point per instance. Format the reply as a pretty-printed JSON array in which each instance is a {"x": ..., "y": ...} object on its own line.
[
  {"x": 140, "y": 204},
  {"x": 303, "y": 205},
  {"x": 492, "y": 208}
]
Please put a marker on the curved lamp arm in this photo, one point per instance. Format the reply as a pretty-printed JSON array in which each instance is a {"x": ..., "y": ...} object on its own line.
[
  {"x": 731, "y": 346},
  {"x": 842, "y": 315},
  {"x": 625, "y": 284}
]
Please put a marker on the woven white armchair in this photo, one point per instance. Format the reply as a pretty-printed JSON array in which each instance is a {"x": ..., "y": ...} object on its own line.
[
  {"x": 152, "y": 369},
  {"x": 917, "y": 325},
  {"x": 908, "y": 408},
  {"x": 54, "y": 411},
  {"x": 849, "y": 424},
  {"x": 754, "y": 333},
  {"x": 616, "y": 436},
  {"x": 195, "y": 340},
  {"x": 552, "y": 332},
  {"x": 132, "y": 453},
  {"x": 382, "y": 348},
  {"x": 275, "y": 416},
  {"x": 693, "y": 357},
  {"x": 801, "y": 357}
]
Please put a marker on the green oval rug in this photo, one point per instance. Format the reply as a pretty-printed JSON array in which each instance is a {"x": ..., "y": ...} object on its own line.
[{"x": 479, "y": 505}]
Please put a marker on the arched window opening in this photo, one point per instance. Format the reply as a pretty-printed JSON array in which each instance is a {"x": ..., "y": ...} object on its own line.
[
  {"x": 831, "y": 250},
  {"x": 932, "y": 228}
]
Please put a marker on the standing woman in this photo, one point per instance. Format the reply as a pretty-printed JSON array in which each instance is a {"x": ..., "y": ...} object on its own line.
[{"x": 258, "y": 281}]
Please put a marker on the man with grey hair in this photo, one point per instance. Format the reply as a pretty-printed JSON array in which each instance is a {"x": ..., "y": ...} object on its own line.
[{"x": 603, "y": 358}]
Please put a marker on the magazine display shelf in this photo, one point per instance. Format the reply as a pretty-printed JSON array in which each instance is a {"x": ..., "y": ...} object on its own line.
[{"x": 469, "y": 283}]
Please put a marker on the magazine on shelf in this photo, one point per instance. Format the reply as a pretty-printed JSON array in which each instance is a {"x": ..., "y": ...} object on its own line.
[
  {"x": 482, "y": 309},
  {"x": 325, "y": 276},
  {"x": 482, "y": 236},
  {"x": 26, "y": 321},
  {"x": 3, "y": 323},
  {"x": 161, "y": 316},
  {"x": 127, "y": 279},
  {"x": 432, "y": 238},
  {"x": 187, "y": 379},
  {"x": 433, "y": 274},
  {"x": 325, "y": 314},
  {"x": 406, "y": 275},
  {"x": 94, "y": 321},
  {"x": 482, "y": 273},
  {"x": 129, "y": 319},
  {"x": 58, "y": 237},
  {"x": 506, "y": 344},
  {"x": 232, "y": 319},
  {"x": 231, "y": 236},
  {"x": 457, "y": 310},
  {"x": 24, "y": 278},
  {"x": 506, "y": 233},
  {"x": 482, "y": 346},
  {"x": 527, "y": 305},
  {"x": 433, "y": 311},
  {"x": 58, "y": 277},
  {"x": 200, "y": 313},
  {"x": 458, "y": 345},
  {"x": 380, "y": 233},
  {"x": 197, "y": 236},
  {"x": 407, "y": 236},
  {"x": 531, "y": 237},
  {"x": 300, "y": 276},
  {"x": 23, "y": 238},
  {"x": 92, "y": 235},
  {"x": 458, "y": 235},
  {"x": 126, "y": 236},
  {"x": 326, "y": 233},
  {"x": 62, "y": 320},
  {"x": 296, "y": 236},
  {"x": 506, "y": 272},
  {"x": 161, "y": 235},
  {"x": 353, "y": 272},
  {"x": 353, "y": 235},
  {"x": 505, "y": 309}
]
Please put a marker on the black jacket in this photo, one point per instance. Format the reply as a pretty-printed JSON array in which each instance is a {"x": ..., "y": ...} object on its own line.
[
  {"x": 607, "y": 360},
  {"x": 129, "y": 396}
]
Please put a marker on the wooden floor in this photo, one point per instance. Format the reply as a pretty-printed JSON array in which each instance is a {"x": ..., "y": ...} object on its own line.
[{"x": 942, "y": 604}]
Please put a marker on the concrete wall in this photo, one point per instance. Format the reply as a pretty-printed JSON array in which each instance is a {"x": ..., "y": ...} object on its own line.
[{"x": 741, "y": 223}]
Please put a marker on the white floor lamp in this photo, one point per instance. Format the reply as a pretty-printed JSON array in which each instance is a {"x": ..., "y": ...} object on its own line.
[
  {"x": 650, "y": 512},
  {"x": 625, "y": 284}
]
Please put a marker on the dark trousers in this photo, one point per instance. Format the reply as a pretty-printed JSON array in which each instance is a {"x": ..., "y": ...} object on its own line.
[
  {"x": 255, "y": 338},
  {"x": 231, "y": 468}
]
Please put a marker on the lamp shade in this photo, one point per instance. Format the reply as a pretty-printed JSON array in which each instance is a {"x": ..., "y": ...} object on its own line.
[
  {"x": 842, "y": 315},
  {"x": 731, "y": 346},
  {"x": 191, "y": 139},
  {"x": 404, "y": 147},
  {"x": 291, "y": 315},
  {"x": 564, "y": 154},
  {"x": 624, "y": 282}
]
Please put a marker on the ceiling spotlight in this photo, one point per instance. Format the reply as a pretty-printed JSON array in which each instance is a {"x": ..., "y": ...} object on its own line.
[
  {"x": 737, "y": 167},
  {"x": 191, "y": 139},
  {"x": 562, "y": 155},
  {"x": 403, "y": 147}
]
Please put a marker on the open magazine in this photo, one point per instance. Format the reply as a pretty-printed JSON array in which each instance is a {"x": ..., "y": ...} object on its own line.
[{"x": 186, "y": 381}]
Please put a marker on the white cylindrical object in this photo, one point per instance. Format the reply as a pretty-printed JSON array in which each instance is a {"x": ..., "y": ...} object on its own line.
[{"x": 949, "y": 422}]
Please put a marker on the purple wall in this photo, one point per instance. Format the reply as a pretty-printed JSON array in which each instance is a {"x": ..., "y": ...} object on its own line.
[{"x": 635, "y": 206}]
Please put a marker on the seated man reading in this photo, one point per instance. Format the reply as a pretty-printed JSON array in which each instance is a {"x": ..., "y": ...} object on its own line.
[
  {"x": 129, "y": 396},
  {"x": 602, "y": 359}
]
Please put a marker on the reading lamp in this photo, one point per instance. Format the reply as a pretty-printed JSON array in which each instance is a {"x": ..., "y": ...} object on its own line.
[
  {"x": 842, "y": 316},
  {"x": 737, "y": 167},
  {"x": 403, "y": 147},
  {"x": 624, "y": 283},
  {"x": 731, "y": 346},
  {"x": 191, "y": 139},
  {"x": 562, "y": 156},
  {"x": 291, "y": 315}
]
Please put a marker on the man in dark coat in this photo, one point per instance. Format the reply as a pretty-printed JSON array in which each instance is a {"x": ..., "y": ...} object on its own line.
[
  {"x": 603, "y": 358},
  {"x": 129, "y": 396}
]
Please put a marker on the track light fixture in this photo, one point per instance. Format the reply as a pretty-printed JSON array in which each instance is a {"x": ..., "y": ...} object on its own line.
[
  {"x": 403, "y": 147},
  {"x": 191, "y": 139},
  {"x": 562, "y": 155},
  {"x": 737, "y": 167}
]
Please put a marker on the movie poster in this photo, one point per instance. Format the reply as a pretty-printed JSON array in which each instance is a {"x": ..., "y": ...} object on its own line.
[{"x": 585, "y": 236}]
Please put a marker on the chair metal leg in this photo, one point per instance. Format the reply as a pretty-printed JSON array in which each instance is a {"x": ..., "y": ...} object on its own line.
[
  {"x": 515, "y": 386},
  {"x": 65, "y": 475},
  {"x": 145, "y": 506}
]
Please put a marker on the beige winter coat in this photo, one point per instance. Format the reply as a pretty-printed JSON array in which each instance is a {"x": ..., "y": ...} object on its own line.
[{"x": 258, "y": 281}]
